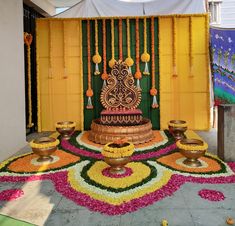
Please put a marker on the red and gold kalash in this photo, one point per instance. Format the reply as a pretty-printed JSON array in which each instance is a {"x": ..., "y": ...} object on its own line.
[{"x": 121, "y": 118}]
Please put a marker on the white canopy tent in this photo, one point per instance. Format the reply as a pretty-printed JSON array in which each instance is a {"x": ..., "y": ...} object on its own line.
[{"x": 110, "y": 8}]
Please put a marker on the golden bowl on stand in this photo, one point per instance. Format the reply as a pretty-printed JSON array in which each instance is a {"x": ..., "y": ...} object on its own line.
[
  {"x": 117, "y": 165},
  {"x": 117, "y": 154},
  {"x": 65, "y": 128},
  {"x": 44, "y": 147},
  {"x": 177, "y": 128},
  {"x": 192, "y": 149}
]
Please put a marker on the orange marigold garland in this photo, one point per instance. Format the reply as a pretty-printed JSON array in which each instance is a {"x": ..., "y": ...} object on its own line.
[
  {"x": 129, "y": 61},
  {"x": 104, "y": 76},
  {"x": 89, "y": 92},
  {"x": 120, "y": 39},
  {"x": 145, "y": 57},
  {"x": 153, "y": 90},
  {"x": 96, "y": 58},
  {"x": 112, "y": 61},
  {"x": 138, "y": 75}
]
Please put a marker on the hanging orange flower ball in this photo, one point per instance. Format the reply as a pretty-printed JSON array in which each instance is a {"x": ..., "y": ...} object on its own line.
[
  {"x": 138, "y": 75},
  {"x": 89, "y": 93},
  {"x": 28, "y": 38},
  {"x": 104, "y": 76},
  {"x": 153, "y": 92}
]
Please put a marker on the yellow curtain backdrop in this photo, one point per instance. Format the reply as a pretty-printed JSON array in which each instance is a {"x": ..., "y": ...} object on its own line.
[
  {"x": 184, "y": 87},
  {"x": 59, "y": 71}
]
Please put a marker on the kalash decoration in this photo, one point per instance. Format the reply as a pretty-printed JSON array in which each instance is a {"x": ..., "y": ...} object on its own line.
[
  {"x": 117, "y": 154},
  {"x": 121, "y": 118},
  {"x": 177, "y": 128}
]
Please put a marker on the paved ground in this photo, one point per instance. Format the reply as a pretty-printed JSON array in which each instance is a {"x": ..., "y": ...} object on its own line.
[{"x": 44, "y": 206}]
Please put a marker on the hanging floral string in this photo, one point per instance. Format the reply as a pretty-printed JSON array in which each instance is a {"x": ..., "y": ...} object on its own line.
[
  {"x": 96, "y": 58},
  {"x": 28, "y": 38},
  {"x": 174, "y": 46},
  {"x": 145, "y": 57},
  {"x": 153, "y": 90},
  {"x": 104, "y": 76},
  {"x": 65, "y": 51},
  {"x": 207, "y": 35},
  {"x": 50, "y": 76},
  {"x": 129, "y": 61},
  {"x": 190, "y": 48},
  {"x": 112, "y": 61},
  {"x": 138, "y": 75},
  {"x": 120, "y": 39},
  {"x": 39, "y": 122},
  {"x": 89, "y": 92}
]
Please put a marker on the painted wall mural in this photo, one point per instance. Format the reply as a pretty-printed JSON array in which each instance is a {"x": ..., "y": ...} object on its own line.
[{"x": 223, "y": 64}]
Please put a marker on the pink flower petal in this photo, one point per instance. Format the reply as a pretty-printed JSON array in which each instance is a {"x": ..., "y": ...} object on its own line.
[
  {"x": 10, "y": 194},
  {"x": 211, "y": 195}
]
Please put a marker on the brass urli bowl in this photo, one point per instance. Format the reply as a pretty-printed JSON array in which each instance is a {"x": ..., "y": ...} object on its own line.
[
  {"x": 177, "y": 131},
  {"x": 65, "y": 130},
  {"x": 117, "y": 164},
  {"x": 192, "y": 156},
  {"x": 44, "y": 153}
]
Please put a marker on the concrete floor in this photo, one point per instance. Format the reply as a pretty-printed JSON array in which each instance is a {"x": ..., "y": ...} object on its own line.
[{"x": 44, "y": 206}]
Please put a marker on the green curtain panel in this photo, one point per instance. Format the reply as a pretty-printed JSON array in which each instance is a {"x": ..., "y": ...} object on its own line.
[{"x": 97, "y": 82}]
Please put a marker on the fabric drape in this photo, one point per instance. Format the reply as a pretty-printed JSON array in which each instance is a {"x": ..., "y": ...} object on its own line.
[
  {"x": 112, "y": 8},
  {"x": 184, "y": 96},
  {"x": 60, "y": 94}
]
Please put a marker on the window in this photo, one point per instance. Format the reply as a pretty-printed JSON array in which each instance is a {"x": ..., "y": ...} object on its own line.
[{"x": 215, "y": 11}]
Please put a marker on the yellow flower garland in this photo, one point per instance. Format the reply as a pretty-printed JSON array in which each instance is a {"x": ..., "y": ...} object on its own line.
[
  {"x": 145, "y": 57},
  {"x": 192, "y": 147},
  {"x": 50, "y": 74},
  {"x": 68, "y": 125},
  {"x": 178, "y": 125},
  {"x": 190, "y": 48},
  {"x": 207, "y": 63},
  {"x": 28, "y": 38},
  {"x": 65, "y": 51},
  {"x": 129, "y": 61},
  {"x": 96, "y": 58},
  {"x": 38, "y": 83},
  {"x": 81, "y": 127},
  {"x": 116, "y": 152},
  {"x": 174, "y": 46},
  {"x": 112, "y": 61},
  {"x": 46, "y": 145}
]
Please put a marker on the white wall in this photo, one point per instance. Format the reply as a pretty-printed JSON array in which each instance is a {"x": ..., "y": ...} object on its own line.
[
  {"x": 12, "y": 100},
  {"x": 45, "y": 7},
  {"x": 228, "y": 13}
]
